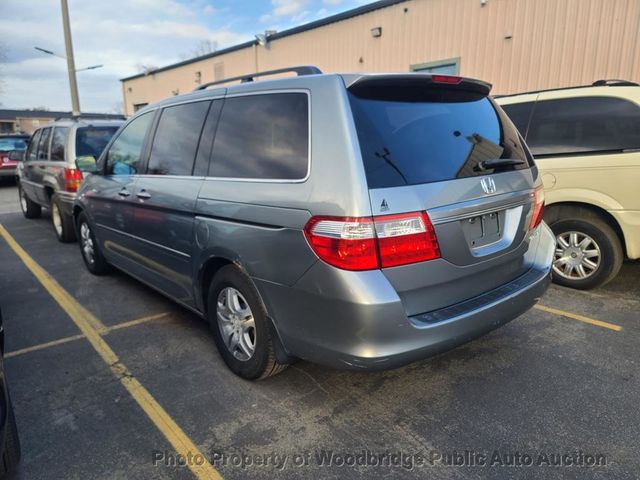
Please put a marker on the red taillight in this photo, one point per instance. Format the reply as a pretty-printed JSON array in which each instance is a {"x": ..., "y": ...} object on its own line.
[
  {"x": 450, "y": 79},
  {"x": 347, "y": 243},
  {"x": 370, "y": 243},
  {"x": 72, "y": 179},
  {"x": 538, "y": 208}
]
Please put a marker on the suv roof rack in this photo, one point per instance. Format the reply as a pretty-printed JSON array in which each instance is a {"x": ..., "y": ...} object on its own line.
[
  {"x": 299, "y": 70},
  {"x": 614, "y": 83},
  {"x": 597, "y": 83}
]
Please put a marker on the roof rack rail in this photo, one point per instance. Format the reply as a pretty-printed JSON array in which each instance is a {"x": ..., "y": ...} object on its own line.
[
  {"x": 614, "y": 83},
  {"x": 299, "y": 70}
]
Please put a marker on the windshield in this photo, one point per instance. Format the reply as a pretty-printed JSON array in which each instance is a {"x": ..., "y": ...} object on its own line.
[
  {"x": 90, "y": 141},
  {"x": 7, "y": 144},
  {"x": 406, "y": 142}
]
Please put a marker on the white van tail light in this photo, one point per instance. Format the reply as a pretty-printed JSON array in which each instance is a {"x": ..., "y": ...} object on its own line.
[{"x": 367, "y": 243}]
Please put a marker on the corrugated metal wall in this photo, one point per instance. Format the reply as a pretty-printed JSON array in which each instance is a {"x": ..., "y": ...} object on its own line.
[{"x": 517, "y": 45}]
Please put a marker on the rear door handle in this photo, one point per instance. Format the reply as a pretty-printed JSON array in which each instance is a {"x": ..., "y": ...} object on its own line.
[
  {"x": 143, "y": 194},
  {"x": 124, "y": 192}
]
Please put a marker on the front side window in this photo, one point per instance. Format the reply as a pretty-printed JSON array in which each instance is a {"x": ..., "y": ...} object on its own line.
[
  {"x": 58, "y": 143},
  {"x": 176, "y": 139},
  {"x": 584, "y": 125},
  {"x": 125, "y": 154},
  {"x": 43, "y": 147},
  {"x": 263, "y": 137},
  {"x": 90, "y": 141}
]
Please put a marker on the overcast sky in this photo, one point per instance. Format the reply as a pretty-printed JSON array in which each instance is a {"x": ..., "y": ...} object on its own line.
[{"x": 122, "y": 35}]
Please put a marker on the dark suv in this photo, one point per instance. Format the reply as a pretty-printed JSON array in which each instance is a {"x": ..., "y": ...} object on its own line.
[
  {"x": 360, "y": 221},
  {"x": 48, "y": 176}
]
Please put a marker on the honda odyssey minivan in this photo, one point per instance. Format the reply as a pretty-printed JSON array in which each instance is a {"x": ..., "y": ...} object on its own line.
[{"x": 360, "y": 221}]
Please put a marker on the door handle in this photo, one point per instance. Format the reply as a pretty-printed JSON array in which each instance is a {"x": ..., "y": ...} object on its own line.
[
  {"x": 143, "y": 194},
  {"x": 124, "y": 192}
]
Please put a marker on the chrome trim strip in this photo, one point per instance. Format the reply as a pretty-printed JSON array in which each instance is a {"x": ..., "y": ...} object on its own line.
[
  {"x": 477, "y": 207},
  {"x": 177, "y": 252}
]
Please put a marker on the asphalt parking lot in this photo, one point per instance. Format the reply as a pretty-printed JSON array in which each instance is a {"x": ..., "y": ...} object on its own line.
[{"x": 559, "y": 383}]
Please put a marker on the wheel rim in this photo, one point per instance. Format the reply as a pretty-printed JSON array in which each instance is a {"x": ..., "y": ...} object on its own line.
[
  {"x": 55, "y": 217},
  {"x": 23, "y": 201},
  {"x": 577, "y": 256},
  {"x": 86, "y": 241},
  {"x": 236, "y": 323}
]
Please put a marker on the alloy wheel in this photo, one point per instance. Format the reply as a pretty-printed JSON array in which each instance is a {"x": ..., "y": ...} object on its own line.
[
  {"x": 87, "y": 243},
  {"x": 236, "y": 323}
]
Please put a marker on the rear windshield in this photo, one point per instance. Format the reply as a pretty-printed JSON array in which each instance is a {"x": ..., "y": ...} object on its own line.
[
  {"x": 406, "y": 142},
  {"x": 9, "y": 143},
  {"x": 90, "y": 141}
]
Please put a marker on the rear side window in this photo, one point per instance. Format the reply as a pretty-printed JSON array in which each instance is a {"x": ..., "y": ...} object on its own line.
[
  {"x": 90, "y": 141},
  {"x": 413, "y": 140},
  {"x": 43, "y": 146},
  {"x": 583, "y": 125},
  {"x": 176, "y": 139},
  {"x": 520, "y": 114},
  {"x": 125, "y": 153},
  {"x": 33, "y": 146},
  {"x": 263, "y": 137},
  {"x": 58, "y": 143}
]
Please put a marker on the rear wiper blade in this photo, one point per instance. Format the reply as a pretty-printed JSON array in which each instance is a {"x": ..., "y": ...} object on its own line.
[{"x": 497, "y": 163}]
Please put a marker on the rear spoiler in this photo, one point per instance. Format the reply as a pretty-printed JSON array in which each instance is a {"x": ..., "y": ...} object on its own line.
[{"x": 393, "y": 85}]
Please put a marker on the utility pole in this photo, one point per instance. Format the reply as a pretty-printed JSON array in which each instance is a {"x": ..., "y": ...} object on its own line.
[{"x": 68, "y": 44}]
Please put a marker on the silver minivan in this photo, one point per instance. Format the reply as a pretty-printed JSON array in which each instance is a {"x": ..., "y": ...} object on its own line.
[{"x": 360, "y": 221}]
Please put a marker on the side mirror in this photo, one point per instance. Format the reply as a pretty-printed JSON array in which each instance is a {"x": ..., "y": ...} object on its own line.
[
  {"x": 87, "y": 164},
  {"x": 16, "y": 155}
]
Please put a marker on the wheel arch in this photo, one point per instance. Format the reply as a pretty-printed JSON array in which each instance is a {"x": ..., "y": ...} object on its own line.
[{"x": 556, "y": 211}]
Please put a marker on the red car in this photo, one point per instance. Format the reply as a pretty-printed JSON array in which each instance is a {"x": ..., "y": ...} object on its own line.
[{"x": 8, "y": 144}]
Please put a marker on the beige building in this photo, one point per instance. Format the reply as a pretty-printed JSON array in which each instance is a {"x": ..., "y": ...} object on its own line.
[
  {"x": 27, "y": 121},
  {"x": 517, "y": 45}
]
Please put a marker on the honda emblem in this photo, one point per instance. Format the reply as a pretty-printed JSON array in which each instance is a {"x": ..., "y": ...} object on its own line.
[{"x": 488, "y": 185}]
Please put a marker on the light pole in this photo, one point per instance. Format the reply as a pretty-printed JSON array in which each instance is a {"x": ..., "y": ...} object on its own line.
[
  {"x": 71, "y": 66},
  {"x": 75, "y": 102}
]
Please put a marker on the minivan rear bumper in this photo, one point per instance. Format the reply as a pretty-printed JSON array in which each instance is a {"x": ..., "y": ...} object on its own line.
[{"x": 356, "y": 320}]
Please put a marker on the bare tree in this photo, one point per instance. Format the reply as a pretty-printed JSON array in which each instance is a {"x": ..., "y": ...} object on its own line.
[
  {"x": 148, "y": 68},
  {"x": 205, "y": 47},
  {"x": 118, "y": 108}
]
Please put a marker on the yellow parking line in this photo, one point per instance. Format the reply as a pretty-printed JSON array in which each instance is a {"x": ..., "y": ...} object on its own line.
[
  {"x": 82, "y": 318},
  {"x": 580, "y": 318},
  {"x": 42, "y": 346},
  {"x": 71, "y": 338},
  {"x": 137, "y": 321}
]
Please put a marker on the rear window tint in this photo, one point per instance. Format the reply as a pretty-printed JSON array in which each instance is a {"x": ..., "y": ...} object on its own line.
[
  {"x": 7, "y": 144},
  {"x": 58, "y": 142},
  {"x": 263, "y": 137},
  {"x": 583, "y": 125},
  {"x": 90, "y": 141},
  {"x": 520, "y": 114},
  {"x": 411, "y": 142},
  {"x": 176, "y": 139}
]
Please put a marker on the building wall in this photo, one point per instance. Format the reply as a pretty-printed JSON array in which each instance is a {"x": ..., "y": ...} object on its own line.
[{"x": 517, "y": 45}]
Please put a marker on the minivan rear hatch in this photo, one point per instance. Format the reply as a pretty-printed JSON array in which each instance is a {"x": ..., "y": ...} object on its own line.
[{"x": 439, "y": 144}]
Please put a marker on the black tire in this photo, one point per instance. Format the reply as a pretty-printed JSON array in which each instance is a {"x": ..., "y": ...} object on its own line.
[
  {"x": 96, "y": 262},
  {"x": 66, "y": 231},
  {"x": 29, "y": 208},
  {"x": 262, "y": 363},
  {"x": 606, "y": 239},
  {"x": 11, "y": 454}
]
